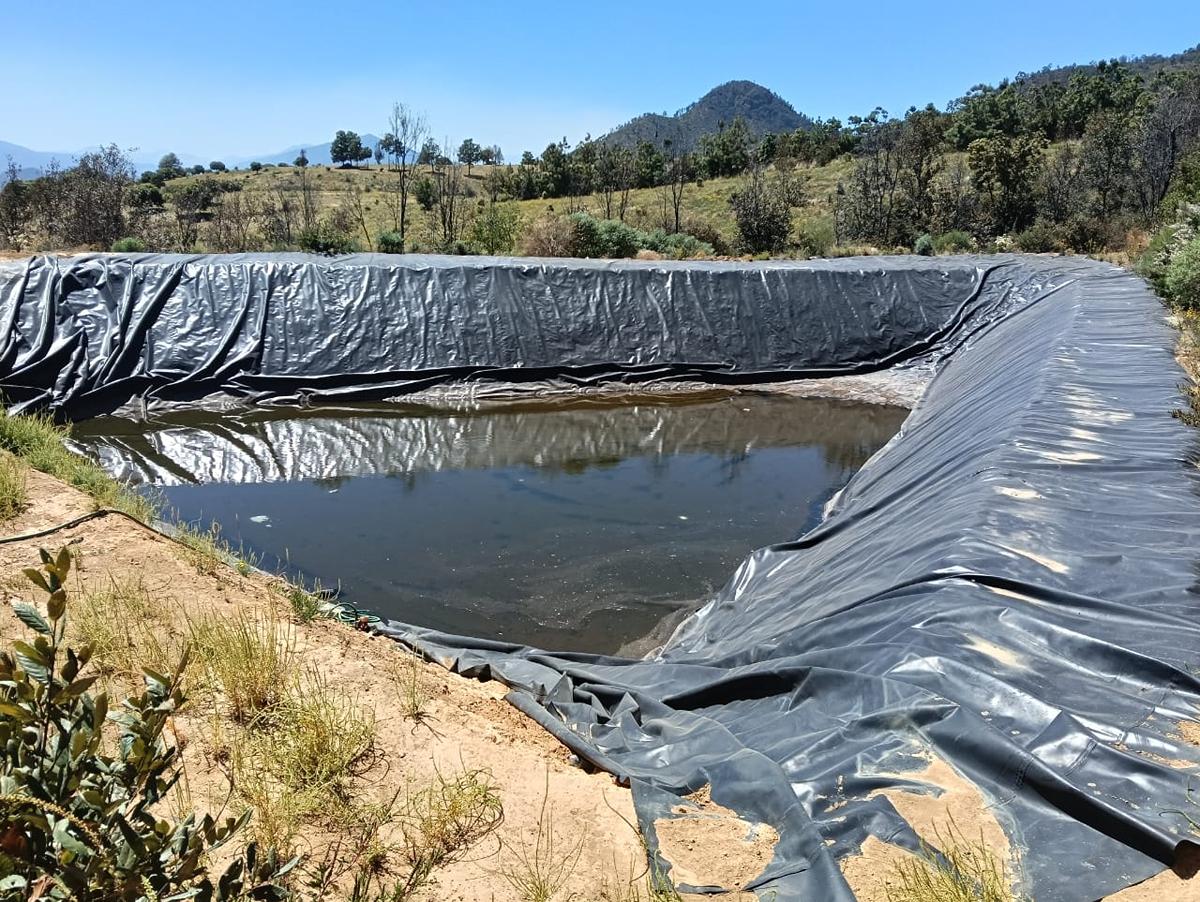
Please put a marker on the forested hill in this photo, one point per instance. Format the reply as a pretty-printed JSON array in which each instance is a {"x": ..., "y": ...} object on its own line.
[
  {"x": 1144, "y": 66},
  {"x": 763, "y": 111}
]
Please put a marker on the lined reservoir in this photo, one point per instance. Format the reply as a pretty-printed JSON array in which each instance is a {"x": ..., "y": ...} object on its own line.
[{"x": 578, "y": 526}]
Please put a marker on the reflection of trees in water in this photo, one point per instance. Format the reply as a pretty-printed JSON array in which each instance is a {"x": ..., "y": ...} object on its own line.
[
  {"x": 569, "y": 442},
  {"x": 331, "y": 483},
  {"x": 732, "y": 465},
  {"x": 849, "y": 455}
]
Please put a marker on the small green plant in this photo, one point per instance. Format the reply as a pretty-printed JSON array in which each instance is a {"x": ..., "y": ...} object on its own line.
[
  {"x": 924, "y": 246},
  {"x": 78, "y": 823},
  {"x": 128, "y": 246},
  {"x": 540, "y": 872},
  {"x": 659, "y": 885},
  {"x": 14, "y": 477},
  {"x": 959, "y": 871},
  {"x": 306, "y": 605}
]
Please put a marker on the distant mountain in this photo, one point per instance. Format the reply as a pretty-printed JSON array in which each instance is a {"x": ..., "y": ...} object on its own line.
[
  {"x": 763, "y": 111},
  {"x": 318, "y": 154},
  {"x": 33, "y": 163}
]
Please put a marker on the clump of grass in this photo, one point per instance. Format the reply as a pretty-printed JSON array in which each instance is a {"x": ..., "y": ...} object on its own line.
[
  {"x": 13, "y": 480},
  {"x": 962, "y": 871},
  {"x": 659, "y": 885},
  {"x": 38, "y": 441},
  {"x": 249, "y": 661},
  {"x": 306, "y": 605},
  {"x": 320, "y": 737},
  {"x": 280, "y": 809},
  {"x": 540, "y": 872},
  {"x": 441, "y": 823},
  {"x": 406, "y": 676},
  {"x": 128, "y": 627},
  {"x": 621, "y": 887}
]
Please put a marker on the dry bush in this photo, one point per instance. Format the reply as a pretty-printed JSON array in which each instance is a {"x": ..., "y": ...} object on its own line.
[
  {"x": 540, "y": 872},
  {"x": 442, "y": 822},
  {"x": 548, "y": 236}
]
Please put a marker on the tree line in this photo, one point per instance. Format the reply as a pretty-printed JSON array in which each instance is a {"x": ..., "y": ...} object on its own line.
[{"x": 1035, "y": 163}]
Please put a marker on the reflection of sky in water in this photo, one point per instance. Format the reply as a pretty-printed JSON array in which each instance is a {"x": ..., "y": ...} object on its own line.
[{"x": 577, "y": 528}]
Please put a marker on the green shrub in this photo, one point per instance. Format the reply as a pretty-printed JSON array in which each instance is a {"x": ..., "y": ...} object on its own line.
[
  {"x": 923, "y": 246},
  {"x": 1182, "y": 277},
  {"x": 677, "y": 246},
  {"x": 327, "y": 240},
  {"x": 604, "y": 237},
  {"x": 128, "y": 246},
  {"x": 816, "y": 236},
  {"x": 79, "y": 822},
  {"x": 706, "y": 233},
  {"x": 256, "y": 166},
  {"x": 1042, "y": 238},
  {"x": 390, "y": 243},
  {"x": 1168, "y": 241},
  {"x": 955, "y": 241}
]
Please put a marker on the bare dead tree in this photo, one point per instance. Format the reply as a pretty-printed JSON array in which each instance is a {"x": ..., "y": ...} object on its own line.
[
  {"x": 1165, "y": 135},
  {"x": 451, "y": 201},
  {"x": 407, "y": 131},
  {"x": 232, "y": 227},
  {"x": 677, "y": 172},
  {"x": 356, "y": 209}
]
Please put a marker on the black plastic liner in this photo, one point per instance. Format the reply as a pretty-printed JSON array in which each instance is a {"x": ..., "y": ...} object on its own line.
[
  {"x": 86, "y": 335},
  {"x": 1009, "y": 586}
]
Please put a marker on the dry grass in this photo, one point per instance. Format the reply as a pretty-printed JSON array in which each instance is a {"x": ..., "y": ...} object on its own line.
[
  {"x": 128, "y": 627},
  {"x": 203, "y": 547},
  {"x": 540, "y": 872},
  {"x": 442, "y": 822},
  {"x": 249, "y": 661},
  {"x": 962, "y": 871},
  {"x": 13, "y": 482},
  {"x": 705, "y": 201},
  {"x": 405, "y": 675},
  {"x": 320, "y": 736}
]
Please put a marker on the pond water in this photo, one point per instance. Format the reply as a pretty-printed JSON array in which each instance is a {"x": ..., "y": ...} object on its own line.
[{"x": 574, "y": 526}]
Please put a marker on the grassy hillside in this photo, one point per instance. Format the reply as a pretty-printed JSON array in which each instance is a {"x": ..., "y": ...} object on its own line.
[{"x": 705, "y": 202}]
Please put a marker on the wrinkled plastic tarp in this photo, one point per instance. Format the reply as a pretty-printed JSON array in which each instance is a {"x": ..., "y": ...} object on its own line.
[
  {"x": 1010, "y": 586},
  {"x": 87, "y": 335}
]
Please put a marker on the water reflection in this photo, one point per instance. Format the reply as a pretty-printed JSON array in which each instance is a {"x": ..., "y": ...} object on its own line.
[{"x": 571, "y": 527}]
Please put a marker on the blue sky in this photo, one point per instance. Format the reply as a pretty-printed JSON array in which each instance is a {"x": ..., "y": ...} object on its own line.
[{"x": 217, "y": 78}]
